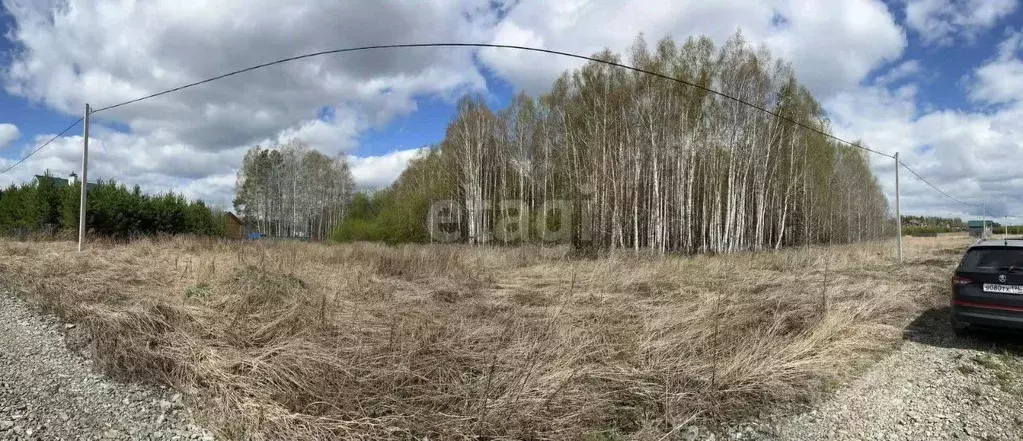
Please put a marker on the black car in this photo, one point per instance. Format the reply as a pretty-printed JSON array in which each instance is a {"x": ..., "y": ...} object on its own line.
[{"x": 987, "y": 288}]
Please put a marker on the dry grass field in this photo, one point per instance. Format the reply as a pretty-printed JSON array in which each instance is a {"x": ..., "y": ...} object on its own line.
[{"x": 276, "y": 340}]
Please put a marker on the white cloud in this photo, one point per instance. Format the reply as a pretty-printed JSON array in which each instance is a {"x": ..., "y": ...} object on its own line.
[
  {"x": 8, "y": 134},
  {"x": 103, "y": 52},
  {"x": 106, "y": 51},
  {"x": 861, "y": 34},
  {"x": 155, "y": 166},
  {"x": 329, "y": 137},
  {"x": 1000, "y": 80},
  {"x": 374, "y": 172},
  {"x": 902, "y": 71},
  {"x": 942, "y": 22},
  {"x": 109, "y": 51},
  {"x": 963, "y": 153},
  {"x": 160, "y": 168}
]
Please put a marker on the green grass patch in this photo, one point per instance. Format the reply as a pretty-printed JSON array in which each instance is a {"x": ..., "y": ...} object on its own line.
[
  {"x": 1008, "y": 371},
  {"x": 199, "y": 291}
]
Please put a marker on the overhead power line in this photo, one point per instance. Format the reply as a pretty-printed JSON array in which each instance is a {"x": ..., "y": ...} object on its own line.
[
  {"x": 37, "y": 149},
  {"x": 474, "y": 45},
  {"x": 485, "y": 45},
  {"x": 921, "y": 178},
  {"x": 497, "y": 46}
]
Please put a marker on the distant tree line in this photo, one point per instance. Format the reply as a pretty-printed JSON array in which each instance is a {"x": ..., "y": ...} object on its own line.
[
  {"x": 999, "y": 228},
  {"x": 935, "y": 223},
  {"x": 1011, "y": 229},
  {"x": 929, "y": 225},
  {"x": 113, "y": 210},
  {"x": 644, "y": 162},
  {"x": 911, "y": 230},
  {"x": 288, "y": 190}
]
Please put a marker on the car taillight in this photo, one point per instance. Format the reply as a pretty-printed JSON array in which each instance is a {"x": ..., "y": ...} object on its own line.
[{"x": 960, "y": 280}]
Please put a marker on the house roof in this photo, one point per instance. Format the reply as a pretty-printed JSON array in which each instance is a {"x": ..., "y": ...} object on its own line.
[
  {"x": 231, "y": 216},
  {"x": 58, "y": 181}
]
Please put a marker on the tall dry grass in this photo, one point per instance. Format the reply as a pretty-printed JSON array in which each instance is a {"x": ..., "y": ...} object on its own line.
[{"x": 295, "y": 340}]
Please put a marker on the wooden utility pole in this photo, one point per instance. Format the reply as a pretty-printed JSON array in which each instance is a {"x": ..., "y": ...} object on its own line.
[
  {"x": 983, "y": 228},
  {"x": 898, "y": 208},
  {"x": 85, "y": 179}
]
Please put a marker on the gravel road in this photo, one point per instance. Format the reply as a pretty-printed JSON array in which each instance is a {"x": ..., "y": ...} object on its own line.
[
  {"x": 49, "y": 393},
  {"x": 937, "y": 386}
]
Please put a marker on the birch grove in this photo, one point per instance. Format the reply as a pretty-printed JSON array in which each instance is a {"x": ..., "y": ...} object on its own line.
[
  {"x": 291, "y": 191},
  {"x": 651, "y": 163}
]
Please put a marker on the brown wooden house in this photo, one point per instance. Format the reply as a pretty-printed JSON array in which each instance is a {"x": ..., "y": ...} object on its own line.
[{"x": 235, "y": 227}]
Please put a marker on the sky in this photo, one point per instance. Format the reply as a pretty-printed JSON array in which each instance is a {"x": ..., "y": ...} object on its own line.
[{"x": 939, "y": 81}]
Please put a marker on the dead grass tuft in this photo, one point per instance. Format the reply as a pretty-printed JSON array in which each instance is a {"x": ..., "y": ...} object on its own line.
[{"x": 308, "y": 341}]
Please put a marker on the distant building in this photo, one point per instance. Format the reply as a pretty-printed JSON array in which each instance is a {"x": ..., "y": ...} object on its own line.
[
  {"x": 979, "y": 228},
  {"x": 235, "y": 227},
  {"x": 58, "y": 181}
]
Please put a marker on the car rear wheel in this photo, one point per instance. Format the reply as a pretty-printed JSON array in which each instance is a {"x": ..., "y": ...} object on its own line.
[{"x": 961, "y": 329}]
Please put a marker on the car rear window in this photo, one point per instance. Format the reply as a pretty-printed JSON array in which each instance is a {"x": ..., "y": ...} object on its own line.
[{"x": 992, "y": 258}]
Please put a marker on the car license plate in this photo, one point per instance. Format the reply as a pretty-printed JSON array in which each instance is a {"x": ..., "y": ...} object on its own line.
[{"x": 1004, "y": 289}]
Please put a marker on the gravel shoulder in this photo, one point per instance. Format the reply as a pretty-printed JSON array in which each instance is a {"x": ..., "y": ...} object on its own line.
[
  {"x": 48, "y": 392},
  {"x": 936, "y": 386}
]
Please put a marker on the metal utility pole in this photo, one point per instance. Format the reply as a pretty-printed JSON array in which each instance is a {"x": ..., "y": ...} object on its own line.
[
  {"x": 85, "y": 179},
  {"x": 898, "y": 208}
]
